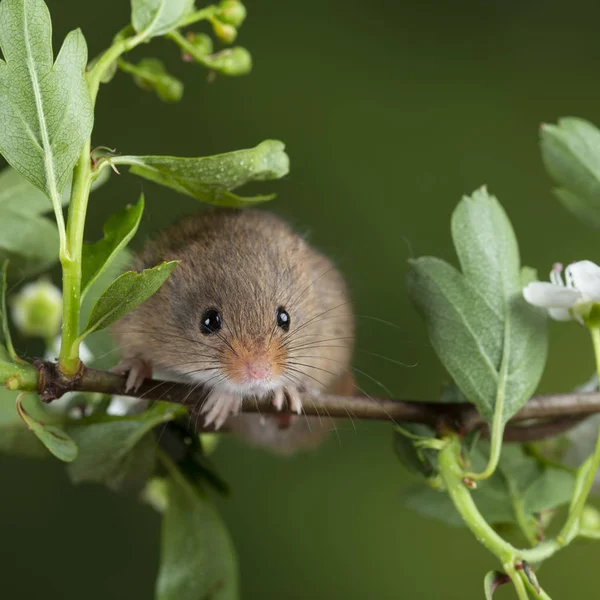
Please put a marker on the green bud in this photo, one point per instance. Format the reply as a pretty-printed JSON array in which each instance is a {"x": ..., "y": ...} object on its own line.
[
  {"x": 169, "y": 89},
  {"x": 232, "y": 12},
  {"x": 37, "y": 309},
  {"x": 150, "y": 74},
  {"x": 225, "y": 32},
  {"x": 201, "y": 42},
  {"x": 233, "y": 61},
  {"x": 155, "y": 494},
  {"x": 589, "y": 523}
]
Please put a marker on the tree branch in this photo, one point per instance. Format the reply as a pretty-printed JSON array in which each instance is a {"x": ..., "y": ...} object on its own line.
[{"x": 543, "y": 416}]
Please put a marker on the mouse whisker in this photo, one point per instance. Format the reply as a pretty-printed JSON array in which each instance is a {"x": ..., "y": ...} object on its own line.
[
  {"x": 307, "y": 287},
  {"x": 381, "y": 385},
  {"x": 306, "y": 323},
  {"x": 305, "y": 374},
  {"x": 315, "y": 344}
]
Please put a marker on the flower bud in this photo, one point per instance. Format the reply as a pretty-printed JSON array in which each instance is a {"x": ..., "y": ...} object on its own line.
[
  {"x": 150, "y": 74},
  {"x": 233, "y": 61},
  {"x": 232, "y": 12},
  {"x": 589, "y": 522},
  {"x": 225, "y": 32},
  {"x": 37, "y": 309},
  {"x": 201, "y": 42}
]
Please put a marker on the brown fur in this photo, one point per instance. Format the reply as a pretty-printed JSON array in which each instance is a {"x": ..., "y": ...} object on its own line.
[{"x": 245, "y": 263}]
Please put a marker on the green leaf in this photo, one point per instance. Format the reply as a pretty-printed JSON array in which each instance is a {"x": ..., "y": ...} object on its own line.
[
  {"x": 157, "y": 17},
  {"x": 519, "y": 479},
  {"x": 119, "y": 451},
  {"x": 571, "y": 154},
  {"x": 17, "y": 194},
  {"x": 118, "y": 231},
  {"x": 197, "y": 557},
  {"x": 125, "y": 293},
  {"x": 27, "y": 239},
  {"x": 30, "y": 243},
  {"x": 211, "y": 179},
  {"x": 45, "y": 109},
  {"x": 101, "y": 344},
  {"x": 493, "y": 580},
  {"x": 553, "y": 488},
  {"x": 489, "y": 339},
  {"x": 55, "y": 439},
  {"x": 15, "y": 438}
]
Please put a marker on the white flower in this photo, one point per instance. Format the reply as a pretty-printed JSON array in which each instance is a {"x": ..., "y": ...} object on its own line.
[
  {"x": 121, "y": 405},
  {"x": 570, "y": 298}
]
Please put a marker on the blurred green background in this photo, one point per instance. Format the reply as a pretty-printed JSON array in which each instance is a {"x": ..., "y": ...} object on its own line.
[{"x": 390, "y": 112}]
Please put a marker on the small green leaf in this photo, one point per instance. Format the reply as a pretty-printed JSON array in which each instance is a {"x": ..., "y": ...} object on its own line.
[
  {"x": 15, "y": 438},
  {"x": 118, "y": 231},
  {"x": 101, "y": 344},
  {"x": 45, "y": 108},
  {"x": 157, "y": 17},
  {"x": 493, "y": 580},
  {"x": 119, "y": 451},
  {"x": 197, "y": 557},
  {"x": 571, "y": 154},
  {"x": 211, "y": 179},
  {"x": 490, "y": 340},
  {"x": 125, "y": 293},
  {"x": 55, "y": 439}
]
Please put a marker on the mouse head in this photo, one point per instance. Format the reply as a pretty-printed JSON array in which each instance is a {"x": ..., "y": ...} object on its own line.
[{"x": 252, "y": 308}]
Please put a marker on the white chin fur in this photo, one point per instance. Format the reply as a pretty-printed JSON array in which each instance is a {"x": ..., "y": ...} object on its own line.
[{"x": 255, "y": 389}]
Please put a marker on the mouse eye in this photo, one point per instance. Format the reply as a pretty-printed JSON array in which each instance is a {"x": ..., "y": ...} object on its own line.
[
  {"x": 283, "y": 318},
  {"x": 211, "y": 321}
]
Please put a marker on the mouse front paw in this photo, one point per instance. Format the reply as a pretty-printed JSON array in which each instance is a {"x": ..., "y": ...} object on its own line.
[
  {"x": 220, "y": 405},
  {"x": 293, "y": 395},
  {"x": 137, "y": 370}
]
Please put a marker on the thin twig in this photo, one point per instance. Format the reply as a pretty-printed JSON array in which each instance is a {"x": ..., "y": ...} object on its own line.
[{"x": 546, "y": 415}]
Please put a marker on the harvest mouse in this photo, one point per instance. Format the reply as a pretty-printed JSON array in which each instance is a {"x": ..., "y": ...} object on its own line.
[{"x": 252, "y": 310}]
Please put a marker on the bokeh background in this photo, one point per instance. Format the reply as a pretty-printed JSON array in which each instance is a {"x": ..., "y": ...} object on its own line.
[{"x": 390, "y": 112}]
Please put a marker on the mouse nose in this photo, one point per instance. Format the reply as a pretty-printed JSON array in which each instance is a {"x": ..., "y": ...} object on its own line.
[{"x": 258, "y": 370}]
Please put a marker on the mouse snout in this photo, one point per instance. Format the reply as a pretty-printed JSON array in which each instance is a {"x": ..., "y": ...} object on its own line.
[{"x": 258, "y": 370}]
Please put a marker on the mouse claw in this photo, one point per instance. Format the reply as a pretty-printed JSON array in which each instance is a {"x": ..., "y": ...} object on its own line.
[
  {"x": 137, "y": 370},
  {"x": 293, "y": 394},
  {"x": 278, "y": 398},
  {"x": 219, "y": 406},
  {"x": 293, "y": 397}
]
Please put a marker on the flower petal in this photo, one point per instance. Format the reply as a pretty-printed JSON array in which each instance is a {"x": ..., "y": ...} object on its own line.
[
  {"x": 548, "y": 295},
  {"x": 586, "y": 278},
  {"x": 560, "y": 314}
]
